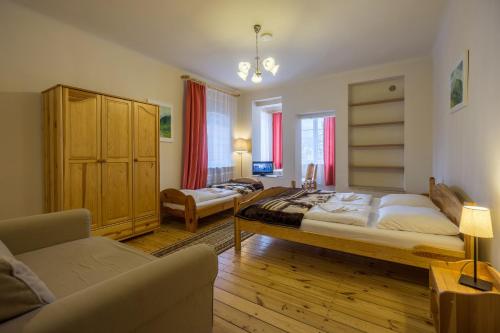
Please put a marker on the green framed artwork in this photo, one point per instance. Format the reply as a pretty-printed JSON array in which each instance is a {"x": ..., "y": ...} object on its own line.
[
  {"x": 166, "y": 120},
  {"x": 459, "y": 83}
]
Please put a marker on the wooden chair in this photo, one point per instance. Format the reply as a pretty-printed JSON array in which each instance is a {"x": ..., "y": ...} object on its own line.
[{"x": 309, "y": 182}]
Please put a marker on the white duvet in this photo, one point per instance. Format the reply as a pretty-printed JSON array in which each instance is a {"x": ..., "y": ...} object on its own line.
[
  {"x": 337, "y": 212},
  {"x": 351, "y": 198},
  {"x": 206, "y": 194}
]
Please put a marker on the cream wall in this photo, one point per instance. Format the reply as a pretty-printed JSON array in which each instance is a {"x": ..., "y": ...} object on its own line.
[
  {"x": 330, "y": 93},
  {"x": 38, "y": 52},
  {"x": 466, "y": 143}
]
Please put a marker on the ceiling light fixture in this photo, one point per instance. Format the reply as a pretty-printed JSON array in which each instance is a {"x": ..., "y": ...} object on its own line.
[{"x": 269, "y": 63}]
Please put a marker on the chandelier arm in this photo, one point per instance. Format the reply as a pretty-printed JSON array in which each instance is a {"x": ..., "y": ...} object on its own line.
[{"x": 257, "y": 52}]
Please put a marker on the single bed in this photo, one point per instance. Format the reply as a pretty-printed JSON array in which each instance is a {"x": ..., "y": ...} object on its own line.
[
  {"x": 411, "y": 248},
  {"x": 191, "y": 205}
]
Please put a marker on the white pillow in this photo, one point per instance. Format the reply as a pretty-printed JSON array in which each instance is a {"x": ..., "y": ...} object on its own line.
[
  {"x": 414, "y": 200},
  {"x": 416, "y": 219}
]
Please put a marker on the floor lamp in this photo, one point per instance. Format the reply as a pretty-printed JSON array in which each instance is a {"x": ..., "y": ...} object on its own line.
[
  {"x": 476, "y": 222},
  {"x": 240, "y": 147}
]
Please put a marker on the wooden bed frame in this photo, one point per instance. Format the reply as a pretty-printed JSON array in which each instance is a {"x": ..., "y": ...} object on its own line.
[
  {"x": 191, "y": 214},
  {"x": 419, "y": 256}
]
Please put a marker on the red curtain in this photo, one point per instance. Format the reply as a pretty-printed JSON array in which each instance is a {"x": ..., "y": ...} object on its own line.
[
  {"x": 195, "y": 153},
  {"x": 277, "y": 141},
  {"x": 329, "y": 150}
]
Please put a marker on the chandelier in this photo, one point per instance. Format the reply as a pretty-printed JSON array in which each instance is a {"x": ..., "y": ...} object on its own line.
[{"x": 268, "y": 63}]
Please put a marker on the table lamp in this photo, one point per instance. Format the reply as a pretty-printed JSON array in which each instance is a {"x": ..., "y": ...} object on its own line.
[
  {"x": 476, "y": 222},
  {"x": 240, "y": 147}
]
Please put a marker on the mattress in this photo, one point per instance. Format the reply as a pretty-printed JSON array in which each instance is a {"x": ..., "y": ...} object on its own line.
[
  {"x": 207, "y": 203},
  {"x": 371, "y": 234}
]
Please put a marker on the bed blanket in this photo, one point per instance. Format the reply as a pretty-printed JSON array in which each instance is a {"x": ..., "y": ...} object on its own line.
[
  {"x": 241, "y": 188},
  {"x": 286, "y": 209}
]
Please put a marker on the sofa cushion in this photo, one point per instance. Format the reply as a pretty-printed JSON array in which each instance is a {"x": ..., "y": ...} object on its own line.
[
  {"x": 69, "y": 267},
  {"x": 20, "y": 289}
]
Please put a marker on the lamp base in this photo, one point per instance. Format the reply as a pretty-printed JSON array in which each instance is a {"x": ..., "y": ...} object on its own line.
[{"x": 478, "y": 284}]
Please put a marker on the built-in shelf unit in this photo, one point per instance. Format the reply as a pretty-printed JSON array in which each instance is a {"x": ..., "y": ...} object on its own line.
[{"x": 376, "y": 135}]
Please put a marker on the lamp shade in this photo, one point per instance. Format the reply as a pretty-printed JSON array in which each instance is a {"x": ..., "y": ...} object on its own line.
[
  {"x": 476, "y": 222},
  {"x": 240, "y": 145}
]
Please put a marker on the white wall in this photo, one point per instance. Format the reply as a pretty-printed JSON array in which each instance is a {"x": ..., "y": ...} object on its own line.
[
  {"x": 38, "y": 52},
  {"x": 330, "y": 93},
  {"x": 466, "y": 143}
]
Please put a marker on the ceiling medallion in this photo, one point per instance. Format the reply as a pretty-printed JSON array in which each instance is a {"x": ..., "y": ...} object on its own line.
[{"x": 268, "y": 63}]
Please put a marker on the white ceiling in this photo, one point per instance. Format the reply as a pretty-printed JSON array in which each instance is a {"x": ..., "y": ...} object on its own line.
[{"x": 210, "y": 37}]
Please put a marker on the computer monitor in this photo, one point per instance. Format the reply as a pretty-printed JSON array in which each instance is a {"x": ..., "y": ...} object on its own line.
[{"x": 262, "y": 168}]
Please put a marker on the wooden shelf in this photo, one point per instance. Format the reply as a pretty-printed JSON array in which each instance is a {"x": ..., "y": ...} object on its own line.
[
  {"x": 377, "y": 188},
  {"x": 383, "y": 146},
  {"x": 382, "y": 101},
  {"x": 378, "y": 167},
  {"x": 389, "y": 123}
]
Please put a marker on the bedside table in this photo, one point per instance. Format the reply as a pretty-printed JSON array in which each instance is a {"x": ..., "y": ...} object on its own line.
[{"x": 461, "y": 309}]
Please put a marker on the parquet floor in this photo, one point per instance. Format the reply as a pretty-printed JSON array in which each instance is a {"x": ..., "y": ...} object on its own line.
[
  {"x": 173, "y": 230},
  {"x": 278, "y": 286}
]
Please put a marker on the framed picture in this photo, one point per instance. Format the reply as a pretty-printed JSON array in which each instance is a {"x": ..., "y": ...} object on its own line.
[
  {"x": 166, "y": 120},
  {"x": 459, "y": 83}
]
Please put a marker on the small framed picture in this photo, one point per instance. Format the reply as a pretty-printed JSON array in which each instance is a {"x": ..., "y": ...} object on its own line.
[
  {"x": 459, "y": 83},
  {"x": 166, "y": 120}
]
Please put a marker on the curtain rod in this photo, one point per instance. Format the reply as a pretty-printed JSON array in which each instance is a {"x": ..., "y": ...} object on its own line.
[{"x": 187, "y": 77}]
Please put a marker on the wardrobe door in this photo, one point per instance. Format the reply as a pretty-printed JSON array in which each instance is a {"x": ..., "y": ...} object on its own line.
[
  {"x": 82, "y": 150},
  {"x": 145, "y": 161},
  {"x": 116, "y": 201}
]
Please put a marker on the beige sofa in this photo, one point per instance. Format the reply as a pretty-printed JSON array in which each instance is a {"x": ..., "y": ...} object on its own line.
[{"x": 104, "y": 286}]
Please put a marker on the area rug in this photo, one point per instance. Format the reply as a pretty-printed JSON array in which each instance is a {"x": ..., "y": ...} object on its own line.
[{"x": 220, "y": 237}]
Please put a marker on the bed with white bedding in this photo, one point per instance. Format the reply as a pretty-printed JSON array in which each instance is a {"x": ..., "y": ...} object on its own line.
[
  {"x": 351, "y": 223},
  {"x": 370, "y": 232},
  {"x": 191, "y": 205},
  {"x": 205, "y": 197}
]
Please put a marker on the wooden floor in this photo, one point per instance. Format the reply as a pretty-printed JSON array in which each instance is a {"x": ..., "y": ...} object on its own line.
[
  {"x": 280, "y": 286},
  {"x": 173, "y": 230}
]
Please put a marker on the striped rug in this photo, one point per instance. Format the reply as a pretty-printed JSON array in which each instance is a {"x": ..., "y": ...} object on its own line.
[{"x": 220, "y": 237}]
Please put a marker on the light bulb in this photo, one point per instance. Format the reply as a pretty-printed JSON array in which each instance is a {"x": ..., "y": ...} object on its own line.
[
  {"x": 243, "y": 75},
  {"x": 268, "y": 63},
  {"x": 274, "y": 70},
  {"x": 244, "y": 67},
  {"x": 256, "y": 78}
]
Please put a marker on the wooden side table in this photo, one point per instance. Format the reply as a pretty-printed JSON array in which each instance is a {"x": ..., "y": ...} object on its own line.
[{"x": 461, "y": 309}]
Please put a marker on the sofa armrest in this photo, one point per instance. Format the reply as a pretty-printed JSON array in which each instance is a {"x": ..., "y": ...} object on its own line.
[
  {"x": 30, "y": 233},
  {"x": 135, "y": 300}
]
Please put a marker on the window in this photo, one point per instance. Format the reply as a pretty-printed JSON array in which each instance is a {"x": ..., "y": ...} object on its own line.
[
  {"x": 221, "y": 109},
  {"x": 313, "y": 146},
  {"x": 267, "y": 131}
]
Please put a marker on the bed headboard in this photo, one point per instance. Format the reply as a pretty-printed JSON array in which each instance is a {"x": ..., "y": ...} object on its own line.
[{"x": 449, "y": 203}]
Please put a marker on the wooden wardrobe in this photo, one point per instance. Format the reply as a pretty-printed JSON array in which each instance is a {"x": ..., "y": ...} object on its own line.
[{"x": 101, "y": 153}]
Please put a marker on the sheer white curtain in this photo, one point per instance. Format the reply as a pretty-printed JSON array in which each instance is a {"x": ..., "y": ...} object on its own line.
[
  {"x": 221, "y": 110},
  {"x": 312, "y": 146},
  {"x": 266, "y": 136}
]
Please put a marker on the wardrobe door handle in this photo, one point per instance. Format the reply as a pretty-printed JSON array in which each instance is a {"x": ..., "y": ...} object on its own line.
[{"x": 136, "y": 160}]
